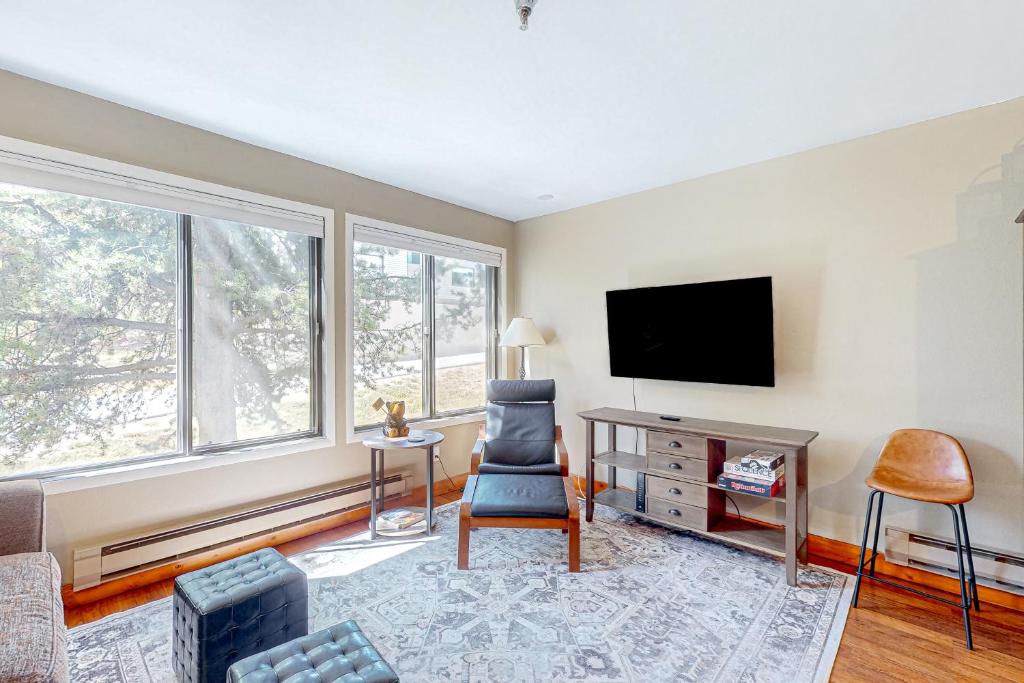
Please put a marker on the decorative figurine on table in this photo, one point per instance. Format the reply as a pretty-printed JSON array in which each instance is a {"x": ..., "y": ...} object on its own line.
[{"x": 395, "y": 424}]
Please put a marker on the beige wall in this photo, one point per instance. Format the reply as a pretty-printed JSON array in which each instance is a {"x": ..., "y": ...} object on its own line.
[
  {"x": 898, "y": 295},
  {"x": 38, "y": 112},
  {"x": 898, "y": 303}
]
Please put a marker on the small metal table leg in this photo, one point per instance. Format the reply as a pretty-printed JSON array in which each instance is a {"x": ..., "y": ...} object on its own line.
[
  {"x": 373, "y": 494},
  {"x": 430, "y": 491}
]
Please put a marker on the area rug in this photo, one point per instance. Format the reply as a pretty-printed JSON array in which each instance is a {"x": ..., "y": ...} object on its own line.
[{"x": 650, "y": 605}]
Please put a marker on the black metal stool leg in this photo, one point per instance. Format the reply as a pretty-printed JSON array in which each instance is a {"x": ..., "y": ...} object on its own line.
[
  {"x": 878, "y": 525},
  {"x": 863, "y": 548},
  {"x": 965, "y": 602},
  {"x": 970, "y": 559}
]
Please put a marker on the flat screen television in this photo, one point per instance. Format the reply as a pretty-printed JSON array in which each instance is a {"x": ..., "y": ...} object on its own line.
[{"x": 714, "y": 332}]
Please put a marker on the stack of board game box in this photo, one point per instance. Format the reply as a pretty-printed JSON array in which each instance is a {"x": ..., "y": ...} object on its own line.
[{"x": 759, "y": 473}]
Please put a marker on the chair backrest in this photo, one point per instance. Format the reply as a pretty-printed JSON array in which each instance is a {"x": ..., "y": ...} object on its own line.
[
  {"x": 926, "y": 455},
  {"x": 520, "y": 427}
]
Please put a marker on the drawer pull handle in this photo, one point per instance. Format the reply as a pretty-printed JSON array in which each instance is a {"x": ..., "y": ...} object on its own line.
[
  {"x": 673, "y": 511},
  {"x": 675, "y": 466},
  {"x": 675, "y": 492},
  {"x": 674, "y": 444}
]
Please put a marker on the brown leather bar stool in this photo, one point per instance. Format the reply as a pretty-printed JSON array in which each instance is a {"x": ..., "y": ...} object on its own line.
[{"x": 931, "y": 467}]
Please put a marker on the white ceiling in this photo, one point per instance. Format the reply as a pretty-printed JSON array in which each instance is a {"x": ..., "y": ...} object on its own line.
[{"x": 598, "y": 99}]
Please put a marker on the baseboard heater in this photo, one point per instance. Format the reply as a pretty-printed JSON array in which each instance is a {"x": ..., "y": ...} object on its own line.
[
  {"x": 996, "y": 568},
  {"x": 102, "y": 563}
]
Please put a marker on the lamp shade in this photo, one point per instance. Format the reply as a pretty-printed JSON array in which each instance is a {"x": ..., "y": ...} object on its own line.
[{"x": 522, "y": 332}]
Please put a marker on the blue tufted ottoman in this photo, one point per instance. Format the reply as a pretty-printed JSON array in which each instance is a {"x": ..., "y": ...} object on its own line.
[
  {"x": 234, "y": 609},
  {"x": 339, "y": 653}
]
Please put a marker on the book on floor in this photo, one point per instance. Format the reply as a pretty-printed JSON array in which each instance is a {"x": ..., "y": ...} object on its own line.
[
  {"x": 399, "y": 518},
  {"x": 754, "y": 487},
  {"x": 753, "y": 469}
]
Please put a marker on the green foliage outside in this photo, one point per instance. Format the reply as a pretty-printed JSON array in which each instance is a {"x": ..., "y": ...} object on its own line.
[
  {"x": 388, "y": 330},
  {"x": 89, "y": 343},
  {"x": 88, "y": 330}
]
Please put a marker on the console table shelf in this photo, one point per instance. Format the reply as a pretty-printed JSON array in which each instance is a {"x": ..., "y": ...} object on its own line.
[
  {"x": 739, "y": 532},
  {"x": 627, "y": 461},
  {"x": 682, "y": 462}
]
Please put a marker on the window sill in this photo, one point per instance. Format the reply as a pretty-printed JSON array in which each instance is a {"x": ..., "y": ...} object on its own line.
[
  {"x": 435, "y": 423},
  {"x": 119, "y": 474}
]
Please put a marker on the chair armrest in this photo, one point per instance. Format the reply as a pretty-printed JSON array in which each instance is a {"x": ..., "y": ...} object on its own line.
[
  {"x": 22, "y": 517},
  {"x": 571, "y": 499},
  {"x": 476, "y": 457},
  {"x": 563, "y": 453},
  {"x": 467, "y": 496}
]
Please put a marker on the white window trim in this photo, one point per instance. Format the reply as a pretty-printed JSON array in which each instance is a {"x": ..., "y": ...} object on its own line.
[
  {"x": 351, "y": 435},
  {"x": 122, "y": 472}
]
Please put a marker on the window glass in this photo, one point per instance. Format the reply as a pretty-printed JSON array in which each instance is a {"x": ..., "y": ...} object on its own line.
[
  {"x": 251, "y": 335},
  {"x": 460, "y": 330},
  {"x": 88, "y": 352},
  {"x": 387, "y": 326}
]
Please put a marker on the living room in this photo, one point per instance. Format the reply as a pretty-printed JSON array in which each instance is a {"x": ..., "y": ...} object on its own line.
[{"x": 696, "y": 232}]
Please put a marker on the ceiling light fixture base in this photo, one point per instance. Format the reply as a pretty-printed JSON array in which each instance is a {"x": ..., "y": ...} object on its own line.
[{"x": 524, "y": 8}]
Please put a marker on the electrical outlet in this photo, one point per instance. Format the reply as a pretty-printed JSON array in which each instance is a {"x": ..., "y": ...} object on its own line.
[{"x": 437, "y": 453}]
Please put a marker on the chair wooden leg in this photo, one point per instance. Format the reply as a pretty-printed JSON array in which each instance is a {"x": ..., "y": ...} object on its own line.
[
  {"x": 574, "y": 544},
  {"x": 463, "y": 542},
  {"x": 572, "y": 522},
  {"x": 465, "y": 512}
]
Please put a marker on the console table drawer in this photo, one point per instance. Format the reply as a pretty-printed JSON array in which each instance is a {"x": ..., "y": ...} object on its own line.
[
  {"x": 678, "y": 466},
  {"x": 693, "y": 446},
  {"x": 678, "y": 513},
  {"x": 675, "y": 491}
]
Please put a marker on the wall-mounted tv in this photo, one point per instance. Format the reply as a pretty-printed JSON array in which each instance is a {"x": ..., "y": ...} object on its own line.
[{"x": 714, "y": 332}]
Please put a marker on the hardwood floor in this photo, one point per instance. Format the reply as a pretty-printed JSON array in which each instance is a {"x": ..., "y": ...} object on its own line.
[
  {"x": 75, "y": 616},
  {"x": 892, "y": 636}
]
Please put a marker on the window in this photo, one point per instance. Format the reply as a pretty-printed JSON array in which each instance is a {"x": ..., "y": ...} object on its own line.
[
  {"x": 131, "y": 333},
  {"x": 423, "y": 321},
  {"x": 252, "y": 307}
]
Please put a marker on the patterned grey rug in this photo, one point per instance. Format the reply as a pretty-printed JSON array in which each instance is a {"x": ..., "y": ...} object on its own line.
[{"x": 650, "y": 605}]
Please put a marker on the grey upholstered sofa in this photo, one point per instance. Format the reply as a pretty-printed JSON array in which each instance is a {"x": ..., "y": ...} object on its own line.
[{"x": 33, "y": 645}]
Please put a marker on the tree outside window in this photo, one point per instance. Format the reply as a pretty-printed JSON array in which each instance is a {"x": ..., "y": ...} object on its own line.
[{"x": 89, "y": 353}]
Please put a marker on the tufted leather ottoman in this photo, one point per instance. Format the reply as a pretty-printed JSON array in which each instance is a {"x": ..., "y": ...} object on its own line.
[
  {"x": 338, "y": 653},
  {"x": 234, "y": 609}
]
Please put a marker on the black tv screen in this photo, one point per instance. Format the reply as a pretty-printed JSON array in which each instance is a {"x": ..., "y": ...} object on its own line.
[{"x": 715, "y": 332}]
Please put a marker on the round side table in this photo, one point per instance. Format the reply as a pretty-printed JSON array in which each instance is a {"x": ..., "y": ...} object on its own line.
[{"x": 377, "y": 446}]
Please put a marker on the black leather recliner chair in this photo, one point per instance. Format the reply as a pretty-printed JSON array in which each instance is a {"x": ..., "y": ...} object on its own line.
[{"x": 516, "y": 479}]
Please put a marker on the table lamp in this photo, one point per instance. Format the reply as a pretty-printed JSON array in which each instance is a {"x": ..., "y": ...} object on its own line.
[{"x": 522, "y": 332}]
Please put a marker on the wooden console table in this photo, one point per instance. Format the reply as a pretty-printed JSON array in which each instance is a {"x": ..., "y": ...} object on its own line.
[{"x": 681, "y": 468}]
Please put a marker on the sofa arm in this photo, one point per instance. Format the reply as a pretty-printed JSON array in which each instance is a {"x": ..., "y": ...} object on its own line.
[{"x": 22, "y": 517}]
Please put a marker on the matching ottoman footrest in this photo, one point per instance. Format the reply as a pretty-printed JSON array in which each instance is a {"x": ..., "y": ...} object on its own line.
[
  {"x": 338, "y": 653},
  {"x": 235, "y": 609}
]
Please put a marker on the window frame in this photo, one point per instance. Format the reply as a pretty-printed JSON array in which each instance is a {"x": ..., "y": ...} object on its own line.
[
  {"x": 21, "y": 160},
  {"x": 496, "y": 311}
]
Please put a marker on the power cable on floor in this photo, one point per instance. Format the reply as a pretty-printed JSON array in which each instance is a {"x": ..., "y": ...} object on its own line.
[
  {"x": 440, "y": 462},
  {"x": 734, "y": 505}
]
